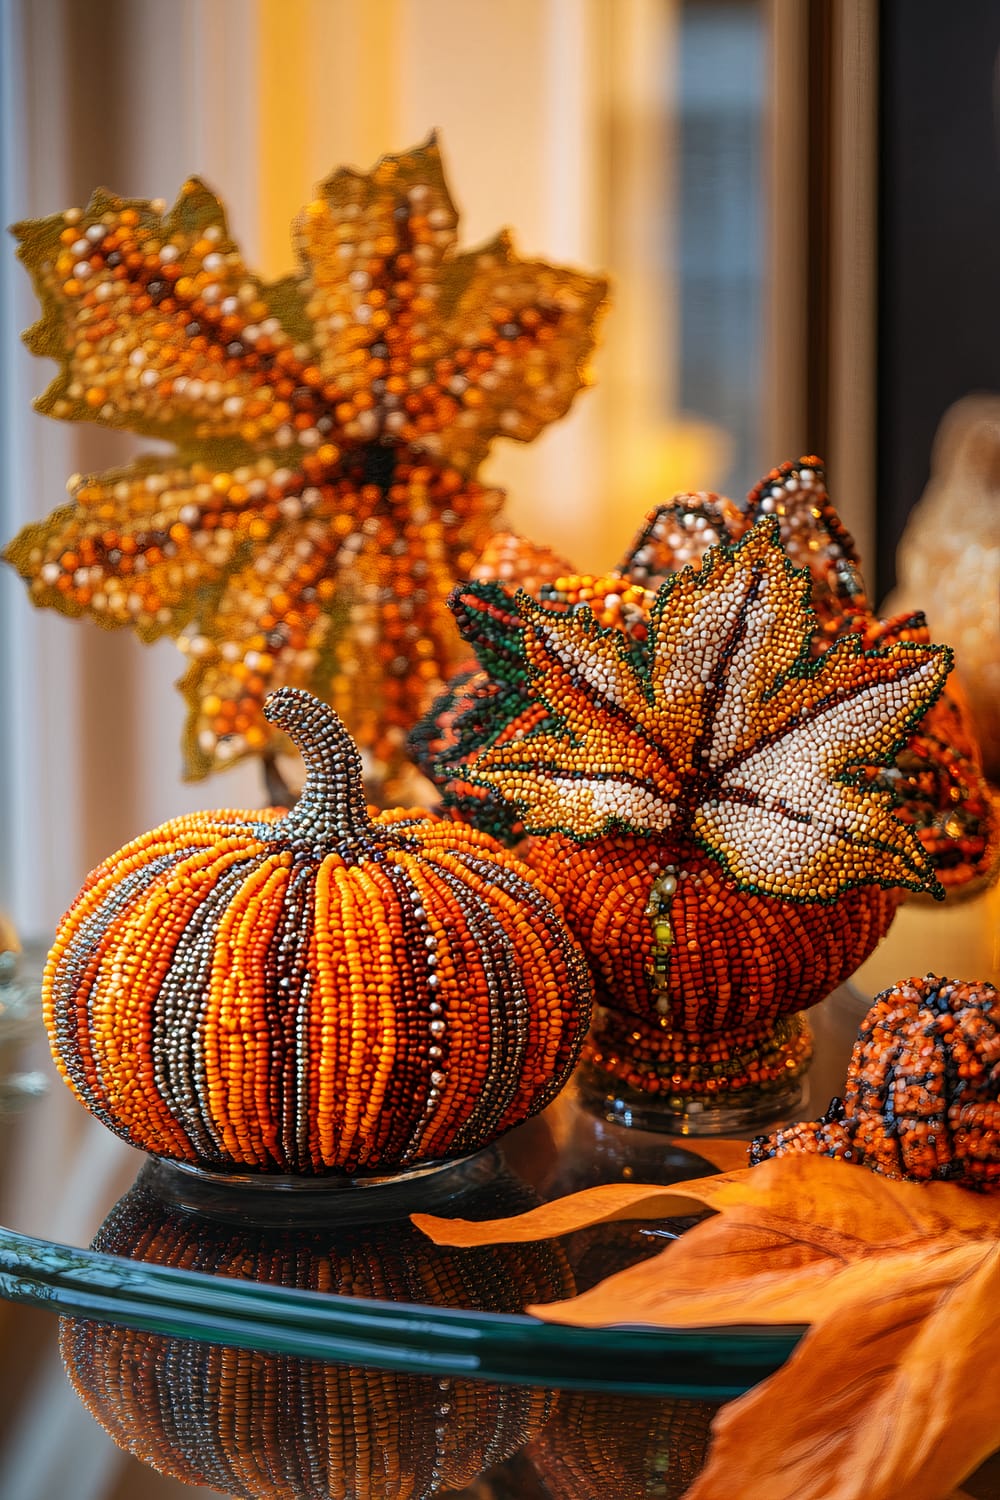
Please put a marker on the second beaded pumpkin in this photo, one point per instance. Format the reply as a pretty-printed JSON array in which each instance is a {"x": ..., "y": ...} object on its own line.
[{"x": 316, "y": 991}]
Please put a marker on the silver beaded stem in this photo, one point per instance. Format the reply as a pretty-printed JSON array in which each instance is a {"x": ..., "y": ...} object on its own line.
[{"x": 332, "y": 804}]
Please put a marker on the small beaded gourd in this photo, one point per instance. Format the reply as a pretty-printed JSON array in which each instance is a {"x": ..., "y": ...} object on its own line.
[
  {"x": 272, "y": 1427},
  {"x": 315, "y": 992},
  {"x": 922, "y": 1100}
]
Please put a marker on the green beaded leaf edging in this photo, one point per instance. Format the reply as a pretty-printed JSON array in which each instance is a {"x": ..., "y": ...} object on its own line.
[{"x": 721, "y": 727}]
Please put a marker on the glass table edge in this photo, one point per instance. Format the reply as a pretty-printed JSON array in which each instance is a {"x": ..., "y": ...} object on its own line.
[{"x": 509, "y": 1348}]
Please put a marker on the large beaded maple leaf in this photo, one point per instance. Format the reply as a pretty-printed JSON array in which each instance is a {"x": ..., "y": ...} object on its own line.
[
  {"x": 321, "y": 500},
  {"x": 720, "y": 728},
  {"x": 937, "y": 777}
]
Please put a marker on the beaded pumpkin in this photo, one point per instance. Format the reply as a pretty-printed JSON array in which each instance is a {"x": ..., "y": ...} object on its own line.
[
  {"x": 271, "y": 1427},
  {"x": 322, "y": 497},
  {"x": 696, "y": 792},
  {"x": 923, "y": 1089},
  {"x": 317, "y": 991}
]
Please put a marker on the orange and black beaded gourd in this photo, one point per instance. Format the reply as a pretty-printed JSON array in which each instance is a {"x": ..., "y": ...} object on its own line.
[
  {"x": 272, "y": 1427},
  {"x": 322, "y": 497},
  {"x": 696, "y": 794},
  {"x": 318, "y": 991},
  {"x": 923, "y": 1089}
]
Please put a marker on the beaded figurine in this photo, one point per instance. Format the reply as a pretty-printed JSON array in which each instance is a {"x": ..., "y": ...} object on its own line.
[
  {"x": 694, "y": 788},
  {"x": 321, "y": 991},
  {"x": 322, "y": 498},
  {"x": 923, "y": 1089}
]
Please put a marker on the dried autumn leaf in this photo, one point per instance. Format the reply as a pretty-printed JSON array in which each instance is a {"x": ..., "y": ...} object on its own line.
[
  {"x": 322, "y": 499},
  {"x": 891, "y": 1392},
  {"x": 721, "y": 1152},
  {"x": 722, "y": 727},
  {"x": 598, "y": 1205}
]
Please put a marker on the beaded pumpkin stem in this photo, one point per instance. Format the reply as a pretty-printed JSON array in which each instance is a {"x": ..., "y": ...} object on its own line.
[
  {"x": 332, "y": 804},
  {"x": 317, "y": 991}
]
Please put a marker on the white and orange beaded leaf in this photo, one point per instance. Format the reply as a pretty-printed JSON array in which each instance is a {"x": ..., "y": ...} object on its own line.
[
  {"x": 720, "y": 726},
  {"x": 321, "y": 500}
]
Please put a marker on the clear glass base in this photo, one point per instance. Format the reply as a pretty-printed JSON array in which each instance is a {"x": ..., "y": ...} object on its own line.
[
  {"x": 733, "y": 1114},
  {"x": 270, "y": 1199}
]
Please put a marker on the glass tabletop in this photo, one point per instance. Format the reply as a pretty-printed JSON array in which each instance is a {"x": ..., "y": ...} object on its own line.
[
  {"x": 317, "y": 1285},
  {"x": 283, "y": 1271},
  {"x": 206, "y": 1329}
]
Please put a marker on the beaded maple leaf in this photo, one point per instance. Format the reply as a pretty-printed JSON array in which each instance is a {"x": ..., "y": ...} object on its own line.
[
  {"x": 321, "y": 500},
  {"x": 720, "y": 727},
  {"x": 937, "y": 778}
]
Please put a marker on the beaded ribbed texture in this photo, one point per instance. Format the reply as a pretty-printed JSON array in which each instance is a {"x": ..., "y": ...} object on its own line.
[
  {"x": 318, "y": 991},
  {"x": 923, "y": 1089},
  {"x": 322, "y": 498},
  {"x": 700, "y": 737},
  {"x": 270, "y": 1427},
  {"x": 623, "y": 1447}
]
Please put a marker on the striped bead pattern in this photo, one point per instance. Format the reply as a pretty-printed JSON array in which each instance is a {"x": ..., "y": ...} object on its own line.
[
  {"x": 922, "y": 1100},
  {"x": 314, "y": 991},
  {"x": 271, "y": 1427},
  {"x": 623, "y": 1447}
]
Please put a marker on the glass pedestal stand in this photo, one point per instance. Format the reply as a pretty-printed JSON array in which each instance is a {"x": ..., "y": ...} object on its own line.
[
  {"x": 268, "y": 1199},
  {"x": 642, "y": 1074}
]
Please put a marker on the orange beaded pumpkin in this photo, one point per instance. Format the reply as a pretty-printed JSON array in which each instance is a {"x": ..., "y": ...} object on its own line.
[
  {"x": 317, "y": 991},
  {"x": 923, "y": 1089},
  {"x": 256, "y": 1425},
  {"x": 694, "y": 781}
]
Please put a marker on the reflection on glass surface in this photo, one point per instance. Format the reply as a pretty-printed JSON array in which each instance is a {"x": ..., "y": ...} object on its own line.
[
  {"x": 20, "y": 1007},
  {"x": 564, "y": 1149},
  {"x": 259, "y": 1425},
  {"x": 254, "y": 1424},
  {"x": 721, "y": 68},
  {"x": 622, "y": 1447}
]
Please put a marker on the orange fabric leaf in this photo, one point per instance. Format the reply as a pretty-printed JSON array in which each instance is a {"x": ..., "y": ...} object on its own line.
[
  {"x": 720, "y": 1151},
  {"x": 891, "y": 1392},
  {"x": 597, "y": 1205}
]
